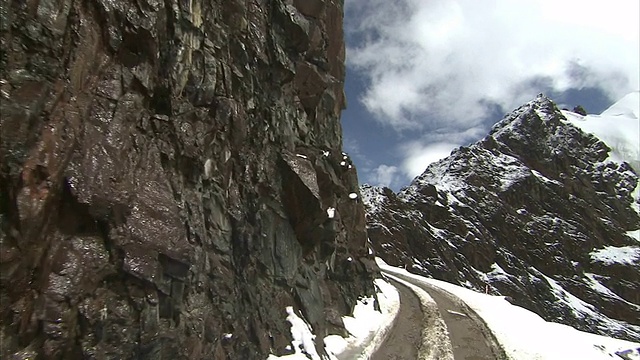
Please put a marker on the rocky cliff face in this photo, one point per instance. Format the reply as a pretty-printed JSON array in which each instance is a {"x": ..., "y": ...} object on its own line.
[
  {"x": 166, "y": 170},
  {"x": 535, "y": 212}
]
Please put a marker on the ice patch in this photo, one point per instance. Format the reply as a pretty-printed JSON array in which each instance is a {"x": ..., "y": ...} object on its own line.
[
  {"x": 208, "y": 168},
  {"x": 545, "y": 179}
]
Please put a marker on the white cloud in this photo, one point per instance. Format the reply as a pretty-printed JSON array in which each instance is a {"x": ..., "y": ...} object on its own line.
[
  {"x": 442, "y": 62},
  {"x": 420, "y": 156},
  {"x": 385, "y": 175},
  {"x": 433, "y": 146}
]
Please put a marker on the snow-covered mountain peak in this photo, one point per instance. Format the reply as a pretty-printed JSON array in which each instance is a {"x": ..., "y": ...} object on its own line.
[
  {"x": 618, "y": 127},
  {"x": 482, "y": 162},
  {"x": 628, "y": 106},
  {"x": 541, "y": 105},
  {"x": 533, "y": 211}
]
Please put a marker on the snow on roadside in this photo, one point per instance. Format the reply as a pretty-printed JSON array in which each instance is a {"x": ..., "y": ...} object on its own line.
[
  {"x": 435, "y": 336},
  {"x": 524, "y": 335},
  {"x": 303, "y": 339},
  {"x": 367, "y": 327}
]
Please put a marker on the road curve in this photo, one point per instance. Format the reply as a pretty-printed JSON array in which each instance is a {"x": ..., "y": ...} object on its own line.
[
  {"x": 405, "y": 337},
  {"x": 470, "y": 338}
]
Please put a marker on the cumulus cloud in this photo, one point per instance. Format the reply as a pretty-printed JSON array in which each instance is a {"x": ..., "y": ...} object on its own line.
[
  {"x": 419, "y": 156},
  {"x": 385, "y": 175},
  {"x": 433, "y": 146},
  {"x": 448, "y": 63}
]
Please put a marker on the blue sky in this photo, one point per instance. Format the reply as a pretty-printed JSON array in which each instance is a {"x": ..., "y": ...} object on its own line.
[{"x": 424, "y": 77}]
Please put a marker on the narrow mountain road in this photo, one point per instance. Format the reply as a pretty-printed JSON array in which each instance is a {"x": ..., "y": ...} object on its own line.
[
  {"x": 405, "y": 337},
  {"x": 470, "y": 338}
]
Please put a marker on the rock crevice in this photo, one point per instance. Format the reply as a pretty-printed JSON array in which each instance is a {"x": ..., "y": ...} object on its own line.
[{"x": 164, "y": 179}]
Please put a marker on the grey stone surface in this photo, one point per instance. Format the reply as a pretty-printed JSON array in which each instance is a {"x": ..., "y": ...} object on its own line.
[{"x": 146, "y": 205}]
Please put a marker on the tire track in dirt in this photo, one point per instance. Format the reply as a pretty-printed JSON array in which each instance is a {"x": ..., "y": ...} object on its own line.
[
  {"x": 471, "y": 339},
  {"x": 405, "y": 337}
]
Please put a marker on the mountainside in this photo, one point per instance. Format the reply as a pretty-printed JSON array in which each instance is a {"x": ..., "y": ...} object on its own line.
[
  {"x": 618, "y": 126},
  {"x": 171, "y": 178},
  {"x": 535, "y": 211}
]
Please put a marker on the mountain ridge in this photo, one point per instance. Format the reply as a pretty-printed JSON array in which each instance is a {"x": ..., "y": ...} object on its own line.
[{"x": 523, "y": 213}]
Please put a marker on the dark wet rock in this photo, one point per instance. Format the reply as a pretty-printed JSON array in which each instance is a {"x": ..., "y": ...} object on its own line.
[
  {"x": 523, "y": 213},
  {"x": 165, "y": 174}
]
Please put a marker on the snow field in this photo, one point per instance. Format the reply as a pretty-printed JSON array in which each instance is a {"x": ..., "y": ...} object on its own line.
[{"x": 618, "y": 126}]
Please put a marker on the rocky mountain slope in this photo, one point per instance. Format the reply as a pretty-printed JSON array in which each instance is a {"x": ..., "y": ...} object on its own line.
[
  {"x": 166, "y": 171},
  {"x": 534, "y": 211}
]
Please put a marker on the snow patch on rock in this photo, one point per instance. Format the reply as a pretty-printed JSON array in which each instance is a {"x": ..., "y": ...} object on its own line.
[{"x": 628, "y": 255}]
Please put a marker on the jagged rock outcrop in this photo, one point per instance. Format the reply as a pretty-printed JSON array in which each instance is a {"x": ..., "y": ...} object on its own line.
[
  {"x": 165, "y": 173},
  {"x": 534, "y": 211}
]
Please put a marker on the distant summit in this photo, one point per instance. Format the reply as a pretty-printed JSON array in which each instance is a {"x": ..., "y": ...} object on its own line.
[
  {"x": 539, "y": 211},
  {"x": 618, "y": 126},
  {"x": 628, "y": 106}
]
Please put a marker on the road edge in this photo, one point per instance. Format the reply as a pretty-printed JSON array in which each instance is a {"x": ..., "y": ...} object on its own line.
[
  {"x": 496, "y": 347},
  {"x": 436, "y": 344}
]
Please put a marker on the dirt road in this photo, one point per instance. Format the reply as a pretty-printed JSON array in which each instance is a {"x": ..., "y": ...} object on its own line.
[
  {"x": 470, "y": 337},
  {"x": 405, "y": 337}
]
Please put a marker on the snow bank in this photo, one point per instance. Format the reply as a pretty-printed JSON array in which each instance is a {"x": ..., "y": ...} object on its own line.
[
  {"x": 526, "y": 336},
  {"x": 367, "y": 327},
  {"x": 303, "y": 339},
  {"x": 435, "y": 336}
]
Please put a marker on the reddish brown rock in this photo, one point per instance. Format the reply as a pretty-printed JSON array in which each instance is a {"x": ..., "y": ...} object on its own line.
[{"x": 146, "y": 208}]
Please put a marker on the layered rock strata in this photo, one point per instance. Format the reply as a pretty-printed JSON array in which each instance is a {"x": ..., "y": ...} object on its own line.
[{"x": 166, "y": 168}]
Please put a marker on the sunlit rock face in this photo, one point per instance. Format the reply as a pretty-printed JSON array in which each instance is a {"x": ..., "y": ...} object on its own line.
[
  {"x": 535, "y": 211},
  {"x": 165, "y": 174}
]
